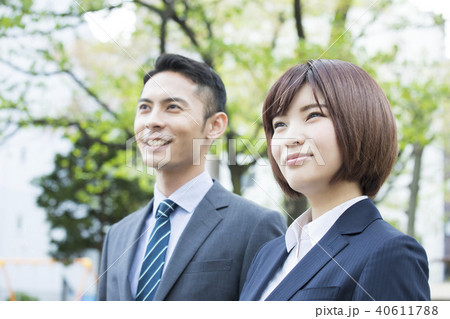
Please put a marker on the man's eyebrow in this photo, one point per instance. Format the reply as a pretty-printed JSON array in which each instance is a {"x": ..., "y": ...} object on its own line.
[
  {"x": 175, "y": 99},
  {"x": 145, "y": 100},
  {"x": 168, "y": 100}
]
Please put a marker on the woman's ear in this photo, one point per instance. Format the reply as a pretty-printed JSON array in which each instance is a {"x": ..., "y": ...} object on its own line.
[{"x": 216, "y": 125}]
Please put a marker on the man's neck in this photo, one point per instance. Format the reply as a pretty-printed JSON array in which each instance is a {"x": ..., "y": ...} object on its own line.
[{"x": 169, "y": 181}]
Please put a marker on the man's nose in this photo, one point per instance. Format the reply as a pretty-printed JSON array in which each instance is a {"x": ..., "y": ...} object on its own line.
[{"x": 155, "y": 120}]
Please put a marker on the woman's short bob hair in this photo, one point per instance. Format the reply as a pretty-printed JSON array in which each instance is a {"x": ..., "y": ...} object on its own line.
[{"x": 365, "y": 126}]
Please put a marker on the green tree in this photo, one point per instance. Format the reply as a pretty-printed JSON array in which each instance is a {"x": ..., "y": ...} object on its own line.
[
  {"x": 249, "y": 43},
  {"x": 417, "y": 106},
  {"x": 88, "y": 190}
]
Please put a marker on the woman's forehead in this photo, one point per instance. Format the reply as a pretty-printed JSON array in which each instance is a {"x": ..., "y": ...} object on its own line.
[{"x": 306, "y": 96}]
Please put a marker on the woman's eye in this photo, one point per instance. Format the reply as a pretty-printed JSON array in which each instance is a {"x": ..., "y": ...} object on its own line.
[
  {"x": 278, "y": 124},
  {"x": 313, "y": 115}
]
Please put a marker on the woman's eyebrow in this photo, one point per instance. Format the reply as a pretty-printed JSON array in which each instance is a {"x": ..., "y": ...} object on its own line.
[
  {"x": 311, "y": 106},
  {"x": 303, "y": 109}
]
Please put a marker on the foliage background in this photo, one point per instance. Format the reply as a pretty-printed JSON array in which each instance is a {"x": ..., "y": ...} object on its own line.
[{"x": 49, "y": 46}]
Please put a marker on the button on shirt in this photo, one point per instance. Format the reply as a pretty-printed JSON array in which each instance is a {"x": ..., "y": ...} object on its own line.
[
  {"x": 302, "y": 235},
  {"x": 187, "y": 198}
]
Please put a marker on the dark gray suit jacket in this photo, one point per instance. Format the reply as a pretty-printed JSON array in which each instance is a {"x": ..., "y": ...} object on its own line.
[
  {"x": 211, "y": 258},
  {"x": 361, "y": 257}
]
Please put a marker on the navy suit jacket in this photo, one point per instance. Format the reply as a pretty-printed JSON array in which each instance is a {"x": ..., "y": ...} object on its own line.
[
  {"x": 211, "y": 258},
  {"x": 361, "y": 257}
]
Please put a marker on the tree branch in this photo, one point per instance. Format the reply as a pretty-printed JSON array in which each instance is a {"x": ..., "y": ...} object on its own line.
[
  {"x": 60, "y": 122},
  {"x": 163, "y": 32},
  {"x": 208, "y": 24},
  {"x": 40, "y": 32},
  {"x": 182, "y": 23},
  {"x": 29, "y": 72},
  {"x": 74, "y": 14},
  {"x": 298, "y": 19},
  {"x": 170, "y": 13},
  {"x": 340, "y": 19},
  {"x": 277, "y": 29},
  {"x": 90, "y": 92},
  {"x": 4, "y": 138},
  {"x": 149, "y": 6},
  {"x": 68, "y": 72}
]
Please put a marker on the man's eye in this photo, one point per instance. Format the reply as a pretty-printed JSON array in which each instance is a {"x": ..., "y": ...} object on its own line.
[
  {"x": 173, "y": 106},
  {"x": 144, "y": 107}
]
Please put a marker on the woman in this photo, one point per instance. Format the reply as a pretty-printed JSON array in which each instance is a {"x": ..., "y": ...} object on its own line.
[{"x": 331, "y": 136}]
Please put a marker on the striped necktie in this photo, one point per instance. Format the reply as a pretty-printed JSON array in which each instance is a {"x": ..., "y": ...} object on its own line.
[{"x": 155, "y": 255}]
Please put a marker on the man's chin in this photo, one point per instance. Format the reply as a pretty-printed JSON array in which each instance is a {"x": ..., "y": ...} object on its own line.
[{"x": 157, "y": 164}]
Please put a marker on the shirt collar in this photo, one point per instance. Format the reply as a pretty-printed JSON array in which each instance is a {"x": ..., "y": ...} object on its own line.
[
  {"x": 294, "y": 231},
  {"x": 187, "y": 196},
  {"x": 306, "y": 228}
]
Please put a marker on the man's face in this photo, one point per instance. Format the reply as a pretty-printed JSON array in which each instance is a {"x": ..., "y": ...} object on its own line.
[{"x": 169, "y": 117}]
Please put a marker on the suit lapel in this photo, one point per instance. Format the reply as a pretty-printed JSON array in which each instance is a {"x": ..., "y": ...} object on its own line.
[
  {"x": 203, "y": 221},
  {"x": 352, "y": 221},
  {"x": 324, "y": 251},
  {"x": 269, "y": 267},
  {"x": 130, "y": 253}
]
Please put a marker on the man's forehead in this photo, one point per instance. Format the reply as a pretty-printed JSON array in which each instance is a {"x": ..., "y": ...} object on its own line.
[
  {"x": 169, "y": 83},
  {"x": 171, "y": 77}
]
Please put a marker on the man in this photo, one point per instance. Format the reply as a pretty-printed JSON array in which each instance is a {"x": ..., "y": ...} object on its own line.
[{"x": 194, "y": 240}]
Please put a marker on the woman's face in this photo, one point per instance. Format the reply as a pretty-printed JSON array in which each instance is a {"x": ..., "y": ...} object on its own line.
[{"x": 304, "y": 144}]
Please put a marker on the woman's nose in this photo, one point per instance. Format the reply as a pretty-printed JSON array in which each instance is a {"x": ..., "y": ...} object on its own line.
[
  {"x": 295, "y": 137},
  {"x": 280, "y": 145}
]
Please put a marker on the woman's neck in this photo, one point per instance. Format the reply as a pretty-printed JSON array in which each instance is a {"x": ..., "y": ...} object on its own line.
[{"x": 336, "y": 194}]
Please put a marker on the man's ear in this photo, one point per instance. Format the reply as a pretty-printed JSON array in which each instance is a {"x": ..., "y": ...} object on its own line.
[{"x": 216, "y": 125}]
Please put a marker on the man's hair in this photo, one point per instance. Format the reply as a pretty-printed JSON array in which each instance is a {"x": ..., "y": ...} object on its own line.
[
  {"x": 209, "y": 85},
  {"x": 363, "y": 120}
]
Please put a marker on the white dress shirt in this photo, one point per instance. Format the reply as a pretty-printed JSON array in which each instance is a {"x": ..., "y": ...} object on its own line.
[
  {"x": 301, "y": 237},
  {"x": 187, "y": 198}
]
